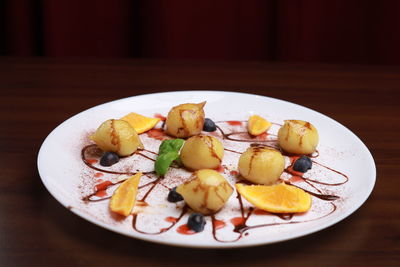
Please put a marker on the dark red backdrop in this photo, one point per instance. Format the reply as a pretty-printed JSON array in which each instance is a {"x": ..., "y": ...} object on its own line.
[{"x": 346, "y": 31}]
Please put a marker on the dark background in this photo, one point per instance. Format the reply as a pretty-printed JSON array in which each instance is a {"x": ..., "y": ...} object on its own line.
[
  {"x": 340, "y": 31},
  {"x": 60, "y": 57}
]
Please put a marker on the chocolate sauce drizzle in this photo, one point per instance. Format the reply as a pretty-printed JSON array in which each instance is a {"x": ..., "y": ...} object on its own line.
[
  {"x": 241, "y": 228},
  {"x": 250, "y": 140},
  {"x": 89, "y": 198},
  {"x": 86, "y": 149}
]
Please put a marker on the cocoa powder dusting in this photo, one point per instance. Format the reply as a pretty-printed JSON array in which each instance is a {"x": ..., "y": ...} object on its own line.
[{"x": 149, "y": 187}]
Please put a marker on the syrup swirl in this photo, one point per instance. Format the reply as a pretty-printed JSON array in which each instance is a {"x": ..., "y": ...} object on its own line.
[{"x": 240, "y": 225}]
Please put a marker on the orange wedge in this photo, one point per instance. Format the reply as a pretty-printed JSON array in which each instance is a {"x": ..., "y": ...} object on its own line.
[
  {"x": 257, "y": 125},
  {"x": 124, "y": 197},
  {"x": 281, "y": 198},
  {"x": 139, "y": 122}
]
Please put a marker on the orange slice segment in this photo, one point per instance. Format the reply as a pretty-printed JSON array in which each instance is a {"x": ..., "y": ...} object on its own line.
[
  {"x": 257, "y": 125},
  {"x": 281, "y": 198},
  {"x": 139, "y": 122},
  {"x": 124, "y": 197}
]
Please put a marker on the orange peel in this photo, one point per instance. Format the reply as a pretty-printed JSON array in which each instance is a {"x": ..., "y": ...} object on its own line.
[
  {"x": 140, "y": 123},
  {"x": 280, "y": 198},
  {"x": 124, "y": 197},
  {"x": 257, "y": 125}
]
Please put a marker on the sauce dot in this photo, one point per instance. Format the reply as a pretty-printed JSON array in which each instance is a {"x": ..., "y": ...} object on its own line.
[
  {"x": 101, "y": 193},
  {"x": 295, "y": 179},
  {"x": 103, "y": 185},
  {"x": 220, "y": 169},
  {"x": 234, "y": 173},
  {"x": 185, "y": 230},
  {"x": 159, "y": 116},
  {"x": 234, "y": 123},
  {"x": 171, "y": 219},
  {"x": 92, "y": 161},
  {"x": 293, "y": 172},
  {"x": 141, "y": 204},
  {"x": 156, "y": 134},
  {"x": 237, "y": 221},
  {"x": 218, "y": 224},
  {"x": 262, "y": 136}
]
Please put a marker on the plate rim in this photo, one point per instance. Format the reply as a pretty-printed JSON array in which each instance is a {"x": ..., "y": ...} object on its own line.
[{"x": 338, "y": 219}]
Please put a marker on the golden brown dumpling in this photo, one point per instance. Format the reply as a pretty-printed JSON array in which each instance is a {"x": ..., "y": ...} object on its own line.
[
  {"x": 261, "y": 165},
  {"x": 185, "y": 120},
  {"x": 298, "y": 137},
  {"x": 117, "y": 136},
  {"x": 206, "y": 192},
  {"x": 202, "y": 152}
]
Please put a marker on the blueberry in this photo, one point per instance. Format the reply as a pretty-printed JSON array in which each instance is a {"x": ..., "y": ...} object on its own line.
[
  {"x": 302, "y": 164},
  {"x": 174, "y": 196},
  {"x": 209, "y": 125},
  {"x": 196, "y": 222},
  {"x": 108, "y": 159}
]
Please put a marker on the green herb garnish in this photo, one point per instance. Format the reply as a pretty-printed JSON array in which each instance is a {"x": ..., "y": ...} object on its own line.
[{"x": 167, "y": 153}]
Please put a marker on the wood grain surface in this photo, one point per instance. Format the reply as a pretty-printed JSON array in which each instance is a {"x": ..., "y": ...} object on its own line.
[{"x": 38, "y": 94}]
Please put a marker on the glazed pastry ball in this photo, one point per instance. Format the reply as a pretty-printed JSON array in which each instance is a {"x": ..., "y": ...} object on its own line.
[
  {"x": 298, "y": 137},
  {"x": 206, "y": 191},
  {"x": 202, "y": 152},
  {"x": 117, "y": 136},
  {"x": 185, "y": 120},
  {"x": 261, "y": 165}
]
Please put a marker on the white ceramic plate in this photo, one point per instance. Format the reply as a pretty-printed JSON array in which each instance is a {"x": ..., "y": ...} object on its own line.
[{"x": 68, "y": 179}]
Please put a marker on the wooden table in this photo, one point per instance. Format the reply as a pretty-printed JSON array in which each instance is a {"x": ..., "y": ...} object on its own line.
[{"x": 38, "y": 94}]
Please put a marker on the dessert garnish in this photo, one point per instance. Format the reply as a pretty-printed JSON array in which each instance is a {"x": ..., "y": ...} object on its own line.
[
  {"x": 108, "y": 159},
  {"x": 196, "y": 222},
  {"x": 185, "y": 120},
  {"x": 280, "y": 198},
  {"x": 206, "y": 191},
  {"x": 174, "y": 196},
  {"x": 140, "y": 123},
  {"x": 124, "y": 197},
  {"x": 168, "y": 153},
  {"x": 302, "y": 164},
  {"x": 257, "y": 125},
  {"x": 209, "y": 125},
  {"x": 202, "y": 152}
]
